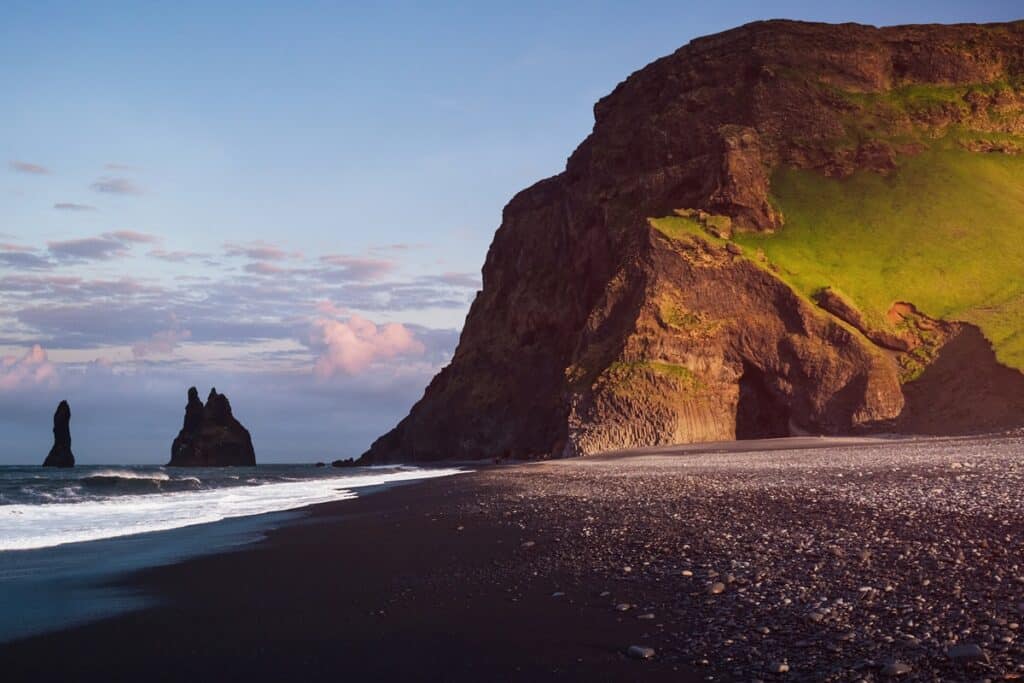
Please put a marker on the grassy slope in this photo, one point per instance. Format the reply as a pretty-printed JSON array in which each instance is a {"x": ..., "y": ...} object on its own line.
[{"x": 945, "y": 232}]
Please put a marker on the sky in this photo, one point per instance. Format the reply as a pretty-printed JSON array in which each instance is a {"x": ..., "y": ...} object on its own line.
[{"x": 288, "y": 201}]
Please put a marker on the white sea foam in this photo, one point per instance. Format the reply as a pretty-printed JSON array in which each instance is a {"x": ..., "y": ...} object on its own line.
[
  {"x": 25, "y": 527},
  {"x": 129, "y": 474}
]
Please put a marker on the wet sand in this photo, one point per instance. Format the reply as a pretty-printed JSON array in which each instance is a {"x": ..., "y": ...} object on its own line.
[{"x": 840, "y": 561}]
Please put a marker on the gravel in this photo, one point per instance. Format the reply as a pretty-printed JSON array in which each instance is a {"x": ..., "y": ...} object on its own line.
[{"x": 898, "y": 558}]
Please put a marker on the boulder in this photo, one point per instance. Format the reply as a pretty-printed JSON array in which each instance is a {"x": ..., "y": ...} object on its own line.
[
  {"x": 60, "y": 455},
  {"x": 211, "y": 436}
]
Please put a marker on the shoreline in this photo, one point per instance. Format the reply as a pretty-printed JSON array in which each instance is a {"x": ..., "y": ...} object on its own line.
[
  {"x": 835, "y": 563},
  {"x": 394, "y": 585}
]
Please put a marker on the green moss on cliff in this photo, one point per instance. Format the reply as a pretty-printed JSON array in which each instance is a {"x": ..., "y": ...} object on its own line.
[
  {"x": 627, "y": 378},
  {"x": 945, "y": 231}
]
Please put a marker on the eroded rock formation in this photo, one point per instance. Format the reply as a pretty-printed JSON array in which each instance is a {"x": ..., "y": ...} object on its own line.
[
  {"x": 210, "y": 435},
  {"x": 60, "y": 455},
  {"x": 595, "y": 331}
]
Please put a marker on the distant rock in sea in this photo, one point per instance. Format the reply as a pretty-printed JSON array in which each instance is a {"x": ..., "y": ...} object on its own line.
[
  {"x": 347, "y": 462},
  {"x": 211, "y": 436},
  {"x": 61, "y": 455}
]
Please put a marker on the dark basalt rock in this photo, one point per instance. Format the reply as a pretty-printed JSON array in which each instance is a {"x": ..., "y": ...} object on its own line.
[
  {"x": 211, "y": 436},
  {"x": 347, "y": 462},
  {"x": 594, "y": 331},
  {"x": 61, "y": 455}
]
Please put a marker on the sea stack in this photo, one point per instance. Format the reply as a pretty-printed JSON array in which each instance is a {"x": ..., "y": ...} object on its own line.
[
  {"x": 211, "y": 436},
  {"x": 61, "y": 455}
]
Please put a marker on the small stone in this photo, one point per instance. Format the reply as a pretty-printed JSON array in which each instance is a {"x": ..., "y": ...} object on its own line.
[
  {"x": 716, "y": 588},
  {"x": 639, "y": 652},
  {"x": 647, "y": 616},
  {"x": 966, "y": 652},
  {"x": 529, "y": 544},
  {"x": 558, "y": 594},
  {"x": 623, "y": 607},
  {"x": 687, "y": 573},
  {"x": 778, "y": 668},
  {"x": 894, "y": 669}
]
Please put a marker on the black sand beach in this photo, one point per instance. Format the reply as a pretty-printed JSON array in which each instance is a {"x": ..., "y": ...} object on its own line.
[{"x": 846, "y": 562}]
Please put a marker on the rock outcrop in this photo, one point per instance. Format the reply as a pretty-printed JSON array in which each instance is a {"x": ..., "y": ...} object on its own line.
[
  {"x": 594, "y": 330},
  {"x": 211, "y": 436},
  {"x": 60, "y": 455}
]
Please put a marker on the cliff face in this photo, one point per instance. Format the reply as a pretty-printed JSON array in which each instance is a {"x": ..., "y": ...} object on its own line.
[
  {"x": 599, "y": 328},
  {"x": 211, "y": 436}
]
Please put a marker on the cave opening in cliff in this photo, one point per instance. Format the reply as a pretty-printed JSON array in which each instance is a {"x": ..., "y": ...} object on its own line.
[{"x": 760, "y": 413}]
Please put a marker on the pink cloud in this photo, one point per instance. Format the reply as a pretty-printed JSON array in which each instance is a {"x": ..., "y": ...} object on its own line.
[
  {"x": 329, "y": 308},
  {"x": 31, "y": 369},
  {"x": 163, "y": 342},
  {"x": 349, "y": 347},
  {"x": 343, "y": 267},
  {"x": 5, "y": 246},
  {"x": 264, "y": 268},
  {"x": 28, "y": 167},
  {"x": 260, "y": 251},
  {"x": 133, "y": 236}
]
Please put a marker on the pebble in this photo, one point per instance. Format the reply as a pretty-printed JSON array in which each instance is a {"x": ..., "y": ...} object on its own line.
[
  {"x": 937, "y": 562},
  {"x": 639, "y": 652},
  {"x": 896, "y": 668},
  {"x": 966, "y": 652},
  {"x": 778, "y": 668}
]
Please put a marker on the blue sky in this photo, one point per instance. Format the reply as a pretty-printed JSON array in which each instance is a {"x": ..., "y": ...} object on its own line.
[{"x": 289, "y": 200}]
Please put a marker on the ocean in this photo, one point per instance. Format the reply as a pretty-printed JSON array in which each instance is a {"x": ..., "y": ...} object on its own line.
[{"x": 66, "y": 535}]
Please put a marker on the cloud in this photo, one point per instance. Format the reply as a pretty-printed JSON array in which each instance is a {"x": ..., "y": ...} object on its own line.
[
  {"x": 101, "y": 248},
  {"x": 26, "y": 167},
  {"x": 259, "y": 251},
  {"x": 463, "y": 280},
  {"x": 349, "y": 347},
  {"x": 114, "y": 185},
  {"x": 133, "y": 236},
  {"x": 71, "y": 206},
  {"x": 400, "y": 246},
  {"x": 18, "y": 257},
  {"x": 264, "y": 268},
  {"x": 328, "y": 308},
  {"x": 162, "y": 342},
  {"x": 29, "y": 370},
  {"x": 175, "y": 256},
  {"x": 114, "y": 166},
  {"x": 342, "y": 268}
]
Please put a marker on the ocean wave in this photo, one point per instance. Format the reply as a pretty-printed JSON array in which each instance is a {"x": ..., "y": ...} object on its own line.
[
  {"x": 118, "y": 485},
  {"x": 25, "y": 526},
  {"x": 129, "y": 474}
]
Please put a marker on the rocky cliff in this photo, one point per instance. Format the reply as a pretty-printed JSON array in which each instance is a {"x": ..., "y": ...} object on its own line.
[
  {"x": 211, "y": 436},
  {"x": 627, "y": 302},
  {"x": 60, "y": 454}
]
